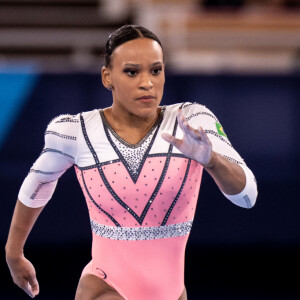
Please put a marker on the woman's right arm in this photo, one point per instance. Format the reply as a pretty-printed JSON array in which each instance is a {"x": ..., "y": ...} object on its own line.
[
  {"x": 21, "y": 269},
  {"x": 37, "y": 189}
]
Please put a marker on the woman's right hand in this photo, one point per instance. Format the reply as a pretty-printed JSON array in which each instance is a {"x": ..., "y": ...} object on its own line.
[{"x": 23, "y": 274}]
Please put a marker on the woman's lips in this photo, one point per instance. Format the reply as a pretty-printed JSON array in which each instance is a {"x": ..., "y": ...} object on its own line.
[{"x": 146, "y": 98}]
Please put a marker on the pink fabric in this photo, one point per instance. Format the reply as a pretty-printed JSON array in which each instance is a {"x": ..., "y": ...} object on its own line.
[
  {"x": 140, "y": 269},
  {"x": 136, "y": 195}
]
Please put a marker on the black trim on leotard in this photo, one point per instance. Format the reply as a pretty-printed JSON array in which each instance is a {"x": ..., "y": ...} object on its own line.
[
  {"x": 106, "y": 125},
  {"x": 141, "y": 218},
  {"x": 96, "y": 204}
]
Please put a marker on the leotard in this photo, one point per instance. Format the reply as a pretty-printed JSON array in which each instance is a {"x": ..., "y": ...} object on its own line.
[{"x": 141, "y": 198}]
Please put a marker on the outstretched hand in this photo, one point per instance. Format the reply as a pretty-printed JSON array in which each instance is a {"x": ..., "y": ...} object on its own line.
[
  {"x": 195, "y": 144},
  {"x": 23, "y": 274}
]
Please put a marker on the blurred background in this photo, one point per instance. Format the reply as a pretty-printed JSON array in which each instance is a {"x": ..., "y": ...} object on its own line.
[{"x": 240, "y": 58}]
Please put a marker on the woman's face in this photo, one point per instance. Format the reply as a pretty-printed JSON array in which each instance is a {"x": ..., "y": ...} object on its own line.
[{"x": 137, "y": 77}]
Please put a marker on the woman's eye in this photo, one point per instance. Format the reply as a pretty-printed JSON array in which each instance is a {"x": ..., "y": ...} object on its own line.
[
  {"x": 130, "y": 72},
  {"x": 156, "y": 71}
]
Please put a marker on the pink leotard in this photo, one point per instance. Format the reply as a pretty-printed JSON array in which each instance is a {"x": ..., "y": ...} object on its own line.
[{"x": 141, "y": 198}]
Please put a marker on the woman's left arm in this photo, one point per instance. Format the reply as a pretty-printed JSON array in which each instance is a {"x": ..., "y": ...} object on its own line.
[
  {"x": 228, "y": 176},
  {"x": 235, "y": 181}
]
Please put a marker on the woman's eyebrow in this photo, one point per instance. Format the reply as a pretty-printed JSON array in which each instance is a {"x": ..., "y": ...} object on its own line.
[
  {"x": 158, "y": 63},
  {"x": 132, "y": 65},
  {"x": 129, "y": 65}
]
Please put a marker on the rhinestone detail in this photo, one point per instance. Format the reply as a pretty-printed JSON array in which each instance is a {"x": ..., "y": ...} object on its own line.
[{"x": 141, "y": 233}]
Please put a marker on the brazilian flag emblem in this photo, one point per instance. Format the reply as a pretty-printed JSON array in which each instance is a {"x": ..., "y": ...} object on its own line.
[{"x": 220, "y": 130}]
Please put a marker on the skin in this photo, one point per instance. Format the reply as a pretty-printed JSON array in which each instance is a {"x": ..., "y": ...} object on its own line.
[
  {"x": 21, "y": 269},
  {"x": 137, "y": 70}
]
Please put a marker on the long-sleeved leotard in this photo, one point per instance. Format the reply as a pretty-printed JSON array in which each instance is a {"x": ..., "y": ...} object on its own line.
[{"x": 141, "y": 198}]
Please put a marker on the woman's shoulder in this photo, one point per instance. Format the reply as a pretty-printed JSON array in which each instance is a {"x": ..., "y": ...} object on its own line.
[
  {"x": 69, "y": 120},
  {"x": 65, "y": 118},
  {"x": 187, "y": 108},
  {"x": 91, "y": 114},
  {"x": 62, "y": 122}
]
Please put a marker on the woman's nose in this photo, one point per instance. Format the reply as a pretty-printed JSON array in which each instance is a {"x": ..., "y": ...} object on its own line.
[{"x": 145, "y": 82}]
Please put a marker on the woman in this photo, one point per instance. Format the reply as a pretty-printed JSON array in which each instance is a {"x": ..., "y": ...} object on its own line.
[{"x": 139, "y": 165}]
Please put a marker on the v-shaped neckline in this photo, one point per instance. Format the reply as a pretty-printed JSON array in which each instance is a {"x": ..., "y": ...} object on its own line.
[{"x": 139, "y": 143}]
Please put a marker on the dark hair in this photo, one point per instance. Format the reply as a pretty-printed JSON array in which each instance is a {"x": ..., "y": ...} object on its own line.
[{"x": 124, "y": 34}]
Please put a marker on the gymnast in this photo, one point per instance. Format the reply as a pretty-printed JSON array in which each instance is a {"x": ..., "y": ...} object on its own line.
[{"x": 139, "y": 165}]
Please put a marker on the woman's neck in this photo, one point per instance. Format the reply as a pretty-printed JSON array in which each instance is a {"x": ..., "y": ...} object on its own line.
[
  {"x": 130, "y": 127},
  {"x": 121, "y": 119}
]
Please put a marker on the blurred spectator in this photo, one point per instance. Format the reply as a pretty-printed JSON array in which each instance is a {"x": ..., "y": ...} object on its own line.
[
  {"x": 292, "y": 3},
  {"x": 242, "y": 3},
  {"x": 223, "y": 3}
]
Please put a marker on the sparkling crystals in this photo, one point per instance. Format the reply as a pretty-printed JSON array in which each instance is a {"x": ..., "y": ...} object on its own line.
[
  {"x": 141, "y": 233},
  {"x": 133, "y": 154}
]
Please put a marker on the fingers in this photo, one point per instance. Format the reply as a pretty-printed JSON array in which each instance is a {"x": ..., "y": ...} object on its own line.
[
  {"x": 185, "y": 127},
  {"x": 30, "y": 291},
  {"x": 192, "y": 136},
  {"x": 29, "y": 285},
  {"x": 197, "y": 134},
  {"x": 171, "y": 139},
  {"x": 24, "y": 275},
  {"x": 203, "y": 135},
  {"x": 27, "y": 289},
  {"x": 35, "y": 289}
]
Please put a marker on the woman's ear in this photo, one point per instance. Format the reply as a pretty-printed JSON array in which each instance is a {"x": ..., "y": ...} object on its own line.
[{"x": 106, "y": 78}]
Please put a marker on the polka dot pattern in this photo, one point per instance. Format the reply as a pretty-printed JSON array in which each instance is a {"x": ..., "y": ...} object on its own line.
[{"x": 114, "y": 199}]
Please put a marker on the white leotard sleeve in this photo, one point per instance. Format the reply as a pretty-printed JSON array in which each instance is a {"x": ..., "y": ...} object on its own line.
[
  {"x": 59, "y": 154},
  {"x": 198, "y": 115}
]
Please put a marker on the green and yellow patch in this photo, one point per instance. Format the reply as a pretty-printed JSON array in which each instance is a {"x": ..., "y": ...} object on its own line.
[{"x": 220, "y": 130}]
